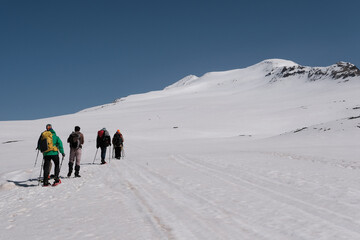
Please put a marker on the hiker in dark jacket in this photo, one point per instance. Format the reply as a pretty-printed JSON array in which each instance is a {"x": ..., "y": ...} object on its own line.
[
  {"x": 50, "y": 150},
  {"x": 75, "y": 140},
  {"x": 103, "y": 141},
  {"x": 117, "y": 142}
]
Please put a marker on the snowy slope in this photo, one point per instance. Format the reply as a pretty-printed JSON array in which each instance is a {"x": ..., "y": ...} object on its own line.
[{"x": 265, "y": 152}]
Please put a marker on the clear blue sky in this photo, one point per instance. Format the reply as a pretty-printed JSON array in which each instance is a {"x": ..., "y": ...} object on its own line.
[{"x": 59, "y": 57}]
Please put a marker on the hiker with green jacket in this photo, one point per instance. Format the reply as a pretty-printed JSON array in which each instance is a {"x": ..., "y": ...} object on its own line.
[{"x": 50, "y": 145}]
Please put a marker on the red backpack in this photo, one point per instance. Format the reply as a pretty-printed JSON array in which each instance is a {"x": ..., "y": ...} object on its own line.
[
  {"x": 101, "y": 134},
  {"x": 102, "y": 137}
]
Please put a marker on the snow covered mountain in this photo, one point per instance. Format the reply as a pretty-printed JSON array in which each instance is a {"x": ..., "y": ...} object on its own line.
[
  {"x": 276, "y": 93},
  {"x": 278, "y": 69},
  {"x": 265, "y": 152}
]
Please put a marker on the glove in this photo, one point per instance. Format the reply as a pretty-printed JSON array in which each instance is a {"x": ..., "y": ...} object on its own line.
[{"x": 63, "y": 154}]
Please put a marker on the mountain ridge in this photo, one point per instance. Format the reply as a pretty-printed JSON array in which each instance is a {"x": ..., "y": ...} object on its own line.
[{"x": 278, "y": 69}]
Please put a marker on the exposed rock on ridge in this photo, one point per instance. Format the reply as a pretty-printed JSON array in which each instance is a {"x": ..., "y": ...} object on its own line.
[{"x": 340, "y": 70}]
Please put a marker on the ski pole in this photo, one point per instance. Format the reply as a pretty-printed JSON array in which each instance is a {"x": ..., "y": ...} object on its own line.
[
  {"x": 37, "y": 155},
  {"x": 42, "y": 164},
  {"x": 95, "y": 155}
]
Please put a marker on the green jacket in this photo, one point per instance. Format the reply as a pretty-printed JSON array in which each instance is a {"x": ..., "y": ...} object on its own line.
[{"x": 56, "y": 142}]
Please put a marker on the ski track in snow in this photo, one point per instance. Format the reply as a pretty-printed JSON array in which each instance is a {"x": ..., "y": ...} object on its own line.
[
  {"x": 190, "y": 205},
  {"x": 198, "y": 197},
  {"x": 315, "y": 206}
]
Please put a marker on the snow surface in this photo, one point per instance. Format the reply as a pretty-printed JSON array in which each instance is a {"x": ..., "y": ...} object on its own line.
[{"x": 229, "y": 155}]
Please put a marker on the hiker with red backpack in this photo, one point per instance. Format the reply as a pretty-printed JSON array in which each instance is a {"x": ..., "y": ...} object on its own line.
[
  {"x": 49, "y": 144},
  {"x": 103, "y": 141},
  {"x": 75, "y": 140},
  {"x": 117, "y": 142}
]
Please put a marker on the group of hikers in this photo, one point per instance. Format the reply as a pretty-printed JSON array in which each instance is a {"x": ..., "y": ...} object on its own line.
[
  {"x": 50, "y": 145},
  {"x": 103, "y": 141}
]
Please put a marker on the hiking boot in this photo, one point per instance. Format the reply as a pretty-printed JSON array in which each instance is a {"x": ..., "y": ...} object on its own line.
[
  {"x": 57, "y": 182},
  {"x": 45, "y": 182},
  {"x": 77, "y": 170},
  {"x": 70, "y": 169}
]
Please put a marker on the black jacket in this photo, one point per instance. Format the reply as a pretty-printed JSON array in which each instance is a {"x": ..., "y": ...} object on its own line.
[
  {"x": 117, "y": 140},
  {"x": 103, "y": 141}
]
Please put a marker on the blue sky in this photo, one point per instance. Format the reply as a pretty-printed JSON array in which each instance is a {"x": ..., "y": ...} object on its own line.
[{"x": 59, "y": 57}]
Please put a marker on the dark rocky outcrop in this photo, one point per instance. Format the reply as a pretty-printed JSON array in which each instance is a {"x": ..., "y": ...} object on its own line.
[{"x": 342, "y": 70}]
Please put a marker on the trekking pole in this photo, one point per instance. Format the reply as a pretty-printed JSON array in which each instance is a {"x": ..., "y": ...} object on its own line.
[
  {"x": 109, "y": 153},
  {"x": 123, "y": 152},
  {"x": 95, "y": 155},
  {"x": 61, "y": 164},
  {"x": 37, "y": 155},
  {"x": 42, "y": 164}
]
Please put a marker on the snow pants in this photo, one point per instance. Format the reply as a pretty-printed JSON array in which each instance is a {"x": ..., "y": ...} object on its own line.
[
  {"x": 118, "y": 152},
  {"x": 103, "y": 153},
  {"x": 47, "y": 162},
  {"x": 75, "y": 154}
]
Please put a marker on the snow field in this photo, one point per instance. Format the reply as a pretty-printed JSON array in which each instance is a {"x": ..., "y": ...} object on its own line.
[{"x": 228, "y": 155}]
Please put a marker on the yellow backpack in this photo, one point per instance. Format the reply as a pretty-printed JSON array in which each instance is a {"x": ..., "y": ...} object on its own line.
[{"x": 46, "y": 142}]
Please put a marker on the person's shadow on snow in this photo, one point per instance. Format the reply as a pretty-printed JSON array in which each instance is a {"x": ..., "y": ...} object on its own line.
[{"x": 25, "y": 183}]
